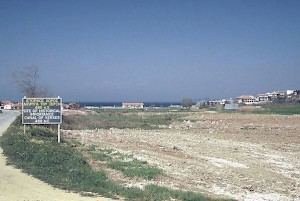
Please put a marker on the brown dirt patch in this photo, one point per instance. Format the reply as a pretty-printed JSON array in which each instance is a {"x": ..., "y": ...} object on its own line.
[{"x": 242, "y": 156}]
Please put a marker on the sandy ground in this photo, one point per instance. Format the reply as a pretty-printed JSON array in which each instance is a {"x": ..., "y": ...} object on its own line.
[
  {"x": 18, "y": 186},
  {"x": 241, "y": 156}
]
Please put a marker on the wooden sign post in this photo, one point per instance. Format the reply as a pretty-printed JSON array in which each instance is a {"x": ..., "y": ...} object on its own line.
[{"x": 42, "y": 111}]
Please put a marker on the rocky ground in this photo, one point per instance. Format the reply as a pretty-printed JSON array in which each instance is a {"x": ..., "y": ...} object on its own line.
[{"x": 241, "y": 156}]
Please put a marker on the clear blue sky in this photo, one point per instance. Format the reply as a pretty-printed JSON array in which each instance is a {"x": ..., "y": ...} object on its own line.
[{"x": 151, "y": 50}]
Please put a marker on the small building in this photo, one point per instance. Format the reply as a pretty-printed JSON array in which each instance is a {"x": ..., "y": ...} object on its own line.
[
  {"x": 8, "y": 107},
  {"x": 175, "y": 106},
  {"x": 213, "y": 102},
  {"x": 247, "y": 100},
  {"x": 290, "y": 92},
  {"x": 71, "y": 106},
  {"x": 263, "y": 98},
  {"x": 231, "y": 106},
  {"x": 132, "y": 105},
  {"x": 278, "y": 94},
  {"x": 296, "y": 92}
]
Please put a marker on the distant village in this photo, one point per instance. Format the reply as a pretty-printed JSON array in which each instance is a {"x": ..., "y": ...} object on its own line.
[{"x": 276, "y": 97}]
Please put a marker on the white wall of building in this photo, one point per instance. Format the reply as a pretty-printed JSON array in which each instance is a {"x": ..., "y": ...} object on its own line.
[{"x": 7, "y": 107}]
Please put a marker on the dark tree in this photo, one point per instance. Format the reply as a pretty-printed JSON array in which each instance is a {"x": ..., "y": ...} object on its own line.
[
  {"x": 187, "y": 103},
  {"x": 27, "y": 81}
]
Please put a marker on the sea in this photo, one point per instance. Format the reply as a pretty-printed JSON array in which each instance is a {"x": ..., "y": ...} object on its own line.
[{"x": 119, "y": 104}]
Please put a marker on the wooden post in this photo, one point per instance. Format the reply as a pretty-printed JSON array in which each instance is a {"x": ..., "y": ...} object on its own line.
[
  {"x": 58, "y": 125},
  {"x": 24, "y": 129},
  {"x": 58, "y": 133}
]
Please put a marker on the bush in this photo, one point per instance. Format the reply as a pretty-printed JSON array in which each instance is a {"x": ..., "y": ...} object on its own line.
[{"x": 41, "y": 131}]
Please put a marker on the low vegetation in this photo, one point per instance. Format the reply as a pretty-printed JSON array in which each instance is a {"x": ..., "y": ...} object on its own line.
[
  {"x": 125, "y": 163},
  {"x": 119, "y": 119},
  {"x": 284, "y": 109},
  {"x": 281, "y": 109},
  {"x": 63, "y": 166}
]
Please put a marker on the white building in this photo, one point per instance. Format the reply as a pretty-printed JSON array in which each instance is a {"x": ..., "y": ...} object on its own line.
[
  {"x": 132, "y": 105},
  {"x": 290, "y": 92},
  {"x": 7, "y": 107},
  {"x": 263, "y": 98},
  {"x": 231, "y": 106},
  {"x": 247, "y": 100}
]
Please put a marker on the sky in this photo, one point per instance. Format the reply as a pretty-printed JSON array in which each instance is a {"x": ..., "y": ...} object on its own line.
[{"x": 148, "y": 50}]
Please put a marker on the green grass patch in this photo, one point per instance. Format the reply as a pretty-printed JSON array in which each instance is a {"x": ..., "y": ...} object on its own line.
[
  {"x": 135, "y": 168},
  {"x": 125, "y": 163},
  {"x": 157, "y": 193},
  {"x": 284, "y": 109},
  {"x": 61, "y": 165},
  {"x": 248, "y": 128},
  {"x": 100, "y": 156},
  {"x": 119, "y": 119},
  {"x": 281, "y": 109}
]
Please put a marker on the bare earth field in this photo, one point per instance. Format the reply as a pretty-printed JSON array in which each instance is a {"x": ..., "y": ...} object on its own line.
[{"x": 228, "y": 155}]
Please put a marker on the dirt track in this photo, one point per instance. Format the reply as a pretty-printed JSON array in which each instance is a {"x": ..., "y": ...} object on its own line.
[
  {"x": 18, "y": 186},
  {"x": 241, "y": 156}
]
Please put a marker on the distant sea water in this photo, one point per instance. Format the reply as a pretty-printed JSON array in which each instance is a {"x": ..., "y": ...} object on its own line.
[{"x": 119, "y": 104}]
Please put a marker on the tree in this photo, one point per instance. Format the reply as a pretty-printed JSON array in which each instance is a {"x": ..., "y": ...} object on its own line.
[
  {"x": 187, "y": 102},
  {"x": 27, "y": 81}
]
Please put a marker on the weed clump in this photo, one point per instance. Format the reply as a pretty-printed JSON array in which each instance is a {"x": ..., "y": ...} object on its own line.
[
  {"x": 125, "y": 163},
  {"x": 135, "y": 168}
]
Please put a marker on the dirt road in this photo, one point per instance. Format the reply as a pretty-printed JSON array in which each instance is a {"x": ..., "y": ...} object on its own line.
[
  {"x": 243, "y": 156},
  {"x": 18, "y": 186}
]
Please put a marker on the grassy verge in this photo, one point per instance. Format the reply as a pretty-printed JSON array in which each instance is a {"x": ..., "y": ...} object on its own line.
[
  {"x": 125, "y": 163},
  {"x": 60, "y": 165},
  {"x": 283, "y": 109},
  {"x": 119, "y": 119}
]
